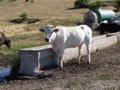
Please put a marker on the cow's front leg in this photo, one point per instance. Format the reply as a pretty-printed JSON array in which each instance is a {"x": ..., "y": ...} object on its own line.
[{"x": 60, "y": 62}]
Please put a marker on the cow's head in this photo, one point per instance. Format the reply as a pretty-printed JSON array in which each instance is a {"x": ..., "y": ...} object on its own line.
[
  {"x": 4, "y": 40},
  {"x": 50, "y": 33},
  {"x": 7, "y": 42}
]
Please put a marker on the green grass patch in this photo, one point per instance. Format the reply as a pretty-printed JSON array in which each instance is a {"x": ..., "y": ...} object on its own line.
[{"x": 27, "y": 41}]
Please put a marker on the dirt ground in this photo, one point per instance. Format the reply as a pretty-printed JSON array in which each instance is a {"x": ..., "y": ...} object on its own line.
[{"x": 102, "y": 74}]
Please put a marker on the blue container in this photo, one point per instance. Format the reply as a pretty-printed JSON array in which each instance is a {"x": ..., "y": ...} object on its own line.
[{"x": 4, "y": 72}]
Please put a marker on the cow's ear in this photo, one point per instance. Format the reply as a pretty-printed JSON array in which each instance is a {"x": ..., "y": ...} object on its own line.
[
  {"x": 41, "y": 29},
  {"x": 56, "y": 30}
]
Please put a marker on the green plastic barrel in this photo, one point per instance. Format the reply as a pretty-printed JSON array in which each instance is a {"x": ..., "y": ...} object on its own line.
[{"x": 104, "y": 14}]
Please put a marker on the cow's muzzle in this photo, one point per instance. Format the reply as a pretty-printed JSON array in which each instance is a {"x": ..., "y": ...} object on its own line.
[{"x": 46, "y": 39}]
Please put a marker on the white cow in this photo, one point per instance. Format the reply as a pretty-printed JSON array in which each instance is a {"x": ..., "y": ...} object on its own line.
[{"x": 62, "y": 37}]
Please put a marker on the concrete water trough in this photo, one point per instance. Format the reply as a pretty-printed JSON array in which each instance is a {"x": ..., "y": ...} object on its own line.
[{"x": 32, "y": 60}]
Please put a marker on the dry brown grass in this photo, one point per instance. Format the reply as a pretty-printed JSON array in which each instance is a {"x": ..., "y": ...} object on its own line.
[
  {"x": 17, "y": 29},
  {"x": 41, "y": 9}
]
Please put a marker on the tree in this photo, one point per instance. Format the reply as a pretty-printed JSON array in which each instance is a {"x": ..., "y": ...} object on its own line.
[
  {"x": 95, "y": 5},
  {"x": 81, "y": 3}
]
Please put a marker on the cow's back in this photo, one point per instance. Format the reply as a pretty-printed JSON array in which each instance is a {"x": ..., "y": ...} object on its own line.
[{"x": 74, "y": 36}]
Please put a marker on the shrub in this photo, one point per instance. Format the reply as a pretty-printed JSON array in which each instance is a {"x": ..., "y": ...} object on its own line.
[
  {"x": 117, "y": 2},
  {"x": 23, "y": 16},
  {"x": 117, "y": 6},
  {"x": 95, "y": 5},
  {"x": 20, "y": 19},
  {"x": 81, "y": 3}
]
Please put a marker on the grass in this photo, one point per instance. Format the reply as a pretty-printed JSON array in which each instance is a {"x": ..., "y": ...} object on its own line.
[{"x": 60, "y": 21}]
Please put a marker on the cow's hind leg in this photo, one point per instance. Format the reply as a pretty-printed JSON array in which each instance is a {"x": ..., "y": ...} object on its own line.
[
  {"x": 88, "y": 52},
  {"x": 79, "y": 54}
]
